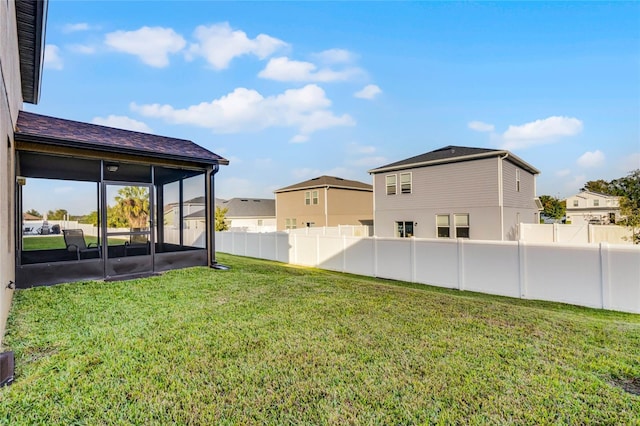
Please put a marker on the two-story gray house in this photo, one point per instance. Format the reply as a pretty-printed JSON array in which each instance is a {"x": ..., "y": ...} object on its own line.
[{"x": 455, "y": 192}]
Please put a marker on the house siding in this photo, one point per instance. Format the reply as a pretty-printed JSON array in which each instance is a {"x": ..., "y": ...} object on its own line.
[
  {"x": 468, "y": 187},
  {"x": 343, "y": 207},
  {"x": 519, "y": 206},
  {"x": 10, "y": 105},
  {"x": 586, "y": 211}
]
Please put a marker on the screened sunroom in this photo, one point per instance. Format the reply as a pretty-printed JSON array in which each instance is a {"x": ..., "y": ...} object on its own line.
[{"x": 94, "y": 202}]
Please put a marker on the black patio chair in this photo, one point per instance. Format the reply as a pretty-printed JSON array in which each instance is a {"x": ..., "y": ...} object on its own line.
[{"x": 74, "y": 239}]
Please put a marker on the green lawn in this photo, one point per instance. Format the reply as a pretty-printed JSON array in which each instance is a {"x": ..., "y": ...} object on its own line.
[
  {"x": 266, "y": 343},
  {"x": 49, "y": 242}
]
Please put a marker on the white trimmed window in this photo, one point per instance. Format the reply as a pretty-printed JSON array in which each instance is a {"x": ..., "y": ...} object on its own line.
[
  {"x": 391, "y": 181},
  {"x": 310, "y": 197},
  {"x": 575, "y": 203},
  {"x": 518, "y": 180},
  {"x": 405, "y": 183},
  {"x": 290, "y": 223},
  {"x": 443, "y": 226},
  {"x": 404, "y": 229},
  {"x": 596, "y": 203},
  {"x": 461, "y": 222}
]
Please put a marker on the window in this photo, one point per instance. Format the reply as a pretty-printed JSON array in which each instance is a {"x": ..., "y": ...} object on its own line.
[
  {"x": 596, "y": 203},
  {"x": 404, "y": 229},
  {"x": 442, "y": 223},
  {"x": 575, "y": 203},
  {"x": 517, "y": 180},
  {"x": 260, "y": 222},
  {"x": 311, "y": 197},
  {"x": 391, "y": 184},
  {"x": 290, "y": 223},
  {"x": 461, "y": 222},
  {"x": 405, "y": 183}
]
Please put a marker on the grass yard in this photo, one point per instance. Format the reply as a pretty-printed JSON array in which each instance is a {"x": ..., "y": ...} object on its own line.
[
  {"x": 266, "y": 343},
  {"x": 38, "y": 242}
]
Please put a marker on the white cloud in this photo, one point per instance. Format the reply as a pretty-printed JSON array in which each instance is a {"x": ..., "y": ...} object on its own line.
[
  {"x": 355, "y": 148},
  {"x": 82, "y": 48},
  {"x": 72, "y": 28},
  {"x": 540, "y": 132},
  {"x": 52, "y": 58},
  {"x": 368, "y": 92},
  {"x": 335, "y": 56},
  {"x": 245, "y": 110},
  {"x": 591, "y": 159},
  {"x": 369, "y": 162},
  {"x": 576, "y": 183},
  {"x": 219, "y": 44},
  {"x": 480, "y": 126},
  {"x": 299, "y": 139},
  {"x": 285, "y": 69},
  {"x": 630, "y": 162},
  {"x": 151, "y": 44},
  {"x": 122, "y": 122},
  {"x": 563, "y": 172}
]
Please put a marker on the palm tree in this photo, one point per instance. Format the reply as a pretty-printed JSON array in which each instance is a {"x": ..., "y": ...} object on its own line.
[{"x": 134, "y": 203}]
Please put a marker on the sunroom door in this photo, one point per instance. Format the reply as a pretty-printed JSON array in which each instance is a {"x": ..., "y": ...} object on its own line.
[{"x": 129, "y": 241}]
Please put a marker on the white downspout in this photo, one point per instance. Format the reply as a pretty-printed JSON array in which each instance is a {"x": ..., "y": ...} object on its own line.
[
  {"x": 501, "y": 195},
  {"x": 326, "y": 206}
]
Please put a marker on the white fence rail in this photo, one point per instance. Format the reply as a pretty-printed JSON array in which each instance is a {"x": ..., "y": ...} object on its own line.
[
  {"x": 587, "y": 233},
  {"x": 347, "y": 230},
  {"x": 598, "y": 276}
]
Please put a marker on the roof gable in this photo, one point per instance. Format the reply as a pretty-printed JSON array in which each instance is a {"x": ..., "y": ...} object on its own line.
[
  {"x": 248, "y": 207},
  {"x": 57, "y": 131},
  {"x": 328, "y": 181},
  {"x": 451, "y": 154}
]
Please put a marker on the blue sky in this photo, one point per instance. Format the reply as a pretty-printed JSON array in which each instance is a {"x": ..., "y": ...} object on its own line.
[{"x": 288, "y": 91}]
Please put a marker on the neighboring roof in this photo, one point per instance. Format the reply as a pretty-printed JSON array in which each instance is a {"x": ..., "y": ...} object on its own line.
[
  {"x": 451, "y": 154},
  {"x": 57, "y": 131},
  {"x": 31, "y": 19},
  {"x": 29, "y": 216},
  {"x": 328, "y": 181},
  {"x": 598, "y": 194},
  {"x": 249, "y": 207}
]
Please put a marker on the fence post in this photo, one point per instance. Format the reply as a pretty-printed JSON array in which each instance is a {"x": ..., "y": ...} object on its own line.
[
  {"x": 605, "y": 282},
  {"x": 555, "y": 232},
  {"x": 317, "y": 250},
  {"x": 375, "y": 256},
  {"x": 522, "y": 260},
  {"x": 460, "y": 242},
  {"x": 344, "y": 253},
  {"x": 413, "y": 259},
  {"x": 295, "y": 248}
]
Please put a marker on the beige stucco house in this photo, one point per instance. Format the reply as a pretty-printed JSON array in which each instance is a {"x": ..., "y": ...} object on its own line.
[
  {"x": 455, "y": 192},
  {"x": 21, "y": 60},
  {"x": 593, "y": 207},
  {"x": 324, "y": 201}
]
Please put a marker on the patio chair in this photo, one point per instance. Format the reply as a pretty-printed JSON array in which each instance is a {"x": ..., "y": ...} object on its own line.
[{"x": 74, "y": 239}]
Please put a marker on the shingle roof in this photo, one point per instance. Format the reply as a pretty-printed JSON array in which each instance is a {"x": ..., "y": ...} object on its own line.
[
  {"x": 57, "y": 131},
  {"x": 249, "y": 207},
  {"x": 330, "y": 181},
  {"x": 450, "y": 154},
  {"x": 31, "y": 21}
]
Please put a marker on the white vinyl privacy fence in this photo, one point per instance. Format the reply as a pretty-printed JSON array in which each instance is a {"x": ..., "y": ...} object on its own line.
[{"x": 594, "y": 275}]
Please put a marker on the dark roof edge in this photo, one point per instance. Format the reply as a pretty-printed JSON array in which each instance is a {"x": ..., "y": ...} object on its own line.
[
  {"x": 287, "y": 189},
  {"x": 26, "y": 137},
  {"x": 509, "y": 156},
  {"x": 41, "y": 9}
]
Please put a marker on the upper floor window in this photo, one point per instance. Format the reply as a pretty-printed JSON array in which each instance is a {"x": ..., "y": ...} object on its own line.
[
  {"x": 518, "y": 180},
  {"x": 575, "y": 203},
  {"x": 596, "y": 203},
  {"x": 442, "y": 224},
  {"x": 391, "y": 181},
  {"x": 405, "y": 183},
  {"x": 311, "y": 197},
  {"x": 461, "y": 222}
]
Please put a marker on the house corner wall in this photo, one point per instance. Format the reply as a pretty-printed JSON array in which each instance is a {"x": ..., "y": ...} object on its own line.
[{"x": 10, "y": 105}]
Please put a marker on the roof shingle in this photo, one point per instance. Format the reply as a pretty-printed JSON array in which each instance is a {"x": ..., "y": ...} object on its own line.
[
  {"x": 51, "y": 130},
  {"x": 330, "y": 181}
]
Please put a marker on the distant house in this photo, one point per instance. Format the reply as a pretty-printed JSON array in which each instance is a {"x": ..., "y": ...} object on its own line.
[
  {"x": 455, "y": 192},
  {"x": 250, "y": 214},
  {"x": 593, "y": 207},
  {"x": 324, "y": 201}
]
